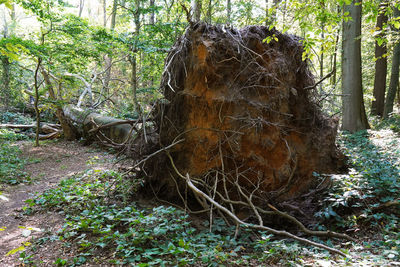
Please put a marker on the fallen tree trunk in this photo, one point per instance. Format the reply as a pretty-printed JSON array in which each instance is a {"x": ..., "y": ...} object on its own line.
[
  {"x": 44, "y": 128},
  {"x": 89, "y": 124}
]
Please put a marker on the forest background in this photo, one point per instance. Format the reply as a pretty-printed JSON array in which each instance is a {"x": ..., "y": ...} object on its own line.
[{"x": 109, "y": 56}]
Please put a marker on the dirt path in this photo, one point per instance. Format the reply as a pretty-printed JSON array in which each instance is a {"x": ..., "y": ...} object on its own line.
[{"x": 50, "y": 163}]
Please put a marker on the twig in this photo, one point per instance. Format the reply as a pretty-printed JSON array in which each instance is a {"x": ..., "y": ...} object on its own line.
[
  {"x": 155, "y": 153},
  {"x": 320, "y": 81}
]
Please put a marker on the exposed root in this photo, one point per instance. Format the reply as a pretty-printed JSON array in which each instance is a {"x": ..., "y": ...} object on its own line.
[{"x": 225, "y": 205}]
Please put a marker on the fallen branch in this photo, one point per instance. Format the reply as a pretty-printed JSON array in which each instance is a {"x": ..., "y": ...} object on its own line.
[
  {"x": 320, "y": 81},
  {"x": 17, "y": 126},
  {"x": 53, "y": 135},
  {"x": 310, "y": 232},
  {"x": 258, "y": 227},
  {"x": 389, "y": 204}
]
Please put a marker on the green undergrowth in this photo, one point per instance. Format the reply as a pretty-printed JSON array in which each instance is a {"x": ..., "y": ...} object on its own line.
[
  {"x": 393, "y": 123},
  {"x": 105, "y": 226},
  {"x": 11, "y": 164},
  {"x": 366, "y": 201},
  {"x": 15, "y": 118},
  {"x": 104, "y": 229}
]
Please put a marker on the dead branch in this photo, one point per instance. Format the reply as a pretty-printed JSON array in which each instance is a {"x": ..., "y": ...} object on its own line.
[
  {"x": 258, "y": 227},
  {"x": 200, "y": 194},
  {"x": 387, "y": 205},
  {"x": 320, "y": 81},
  {"x": 310, "y": 232},
  {"x": 44, "y": 128}
]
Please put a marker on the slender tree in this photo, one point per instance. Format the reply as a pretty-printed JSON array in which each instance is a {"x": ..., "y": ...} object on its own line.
[
  {"x": 8, "y": 30},
  {"x": 209, "y": 11},
  {"x": 394, "y": 75},
  {"x": 196, "y": 10},
  {"x": 114, "y": 14},
  {"x": 104, "y": 13},
  {"x": 228, "y": 11},
  {"x": 81, "y": 5},
  {"x": 354, "y": 116},
  {"x": 380, "y": 63},
  {"x": 132, "y": 58},
  {"x": 152, "y": 14}
]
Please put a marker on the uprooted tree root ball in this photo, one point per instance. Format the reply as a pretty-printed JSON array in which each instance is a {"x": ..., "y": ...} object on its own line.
[{"x": 238, "y": 130}]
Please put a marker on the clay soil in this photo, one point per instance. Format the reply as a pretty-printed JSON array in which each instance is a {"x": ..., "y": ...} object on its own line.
[{"x": 48, "y": 165}]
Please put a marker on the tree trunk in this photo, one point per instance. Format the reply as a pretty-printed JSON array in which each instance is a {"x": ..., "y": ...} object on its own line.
[
  {"x": 134, "y": 83},
  {"x": 81, "y": 5},
  {"x": 196, "y": 10},
  {"x": 152, "y": 14},
  {"x": 36, "y": 103},
  {"x": 113, "y": 15},
  {"x": 70, "y": 132},
  {"x": 133, "y": 60},
  {"x": 380, "y": 64},
  {"x": 394, "y": 76},
  {"x": 87, "y": 122},
  {"x": 209, "y": 11},
  {"x": 108, "y": 58},
  {"x": 334, "y": 60},
  {"x": 398, "y": 94},
  {"x": 104, "y": 13},
  {"x": 228, "y": 11},
  {"x": 354, "y": 116},
  {"x": 6, "y": 82},
  {"x": 8, "y": 31}
]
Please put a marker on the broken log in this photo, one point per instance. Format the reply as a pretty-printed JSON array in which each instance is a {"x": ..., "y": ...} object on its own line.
[
  {"x": 89, "y": 123},
  {"x": 245, "y": 109},
  {"x": 44, "y": 128}
]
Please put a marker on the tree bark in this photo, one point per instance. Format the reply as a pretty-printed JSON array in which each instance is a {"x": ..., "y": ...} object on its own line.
[
  {"x": 8, "y": 31},
  {"x": 81, "y": 5},
  {"x": 6, "y": 81},
  {"x": 87, "y": 121},
  {"x": 209, "y": 11},
  {"x": 394, "y": 76},
  {"x": 108, "y": 58},
  {"x": 380, "y": 64},
  {"x": 229, "y": 11},
  {"x": 104, "y": 13},
  {"x": 152, "y": 14},
  {"x": 196, "y": 10},
  {"x": 70, "y": 133},
  {"x": 354, "y": 116},
  {"x": 113, "y": 15},
  {"x": 36, "y": 103},
  {"x": 133, "y": 60}
]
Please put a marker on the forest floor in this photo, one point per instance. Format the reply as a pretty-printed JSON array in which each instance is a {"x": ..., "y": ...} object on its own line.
[
  {"x": 74, "y": 206},
  {"x": 47, "y": 165}
]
